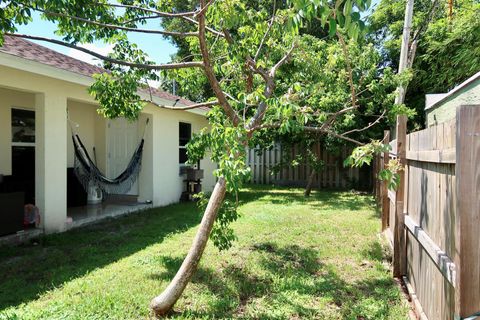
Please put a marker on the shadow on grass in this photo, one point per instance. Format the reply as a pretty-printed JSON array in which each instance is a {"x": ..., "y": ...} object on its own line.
[
  {"x": 320, "y": 199},
  {"x": 375, "y": 252},
  {"x": 28, "y": 271},
  {"x": 285, "y": 270}
]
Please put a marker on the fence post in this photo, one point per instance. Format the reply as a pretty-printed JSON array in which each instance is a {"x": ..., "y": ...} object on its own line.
[
  {"x": 378, "y": 191},
  {"x": 385, "y": 199},
  {"x": 399, "y": 246},
  {"x": 467, "y": 219}
]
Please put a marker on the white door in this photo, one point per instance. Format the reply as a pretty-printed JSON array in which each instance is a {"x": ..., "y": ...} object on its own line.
[{"x": 122, "y": 140}]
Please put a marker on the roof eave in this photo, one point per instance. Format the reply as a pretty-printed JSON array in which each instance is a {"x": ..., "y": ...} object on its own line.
[
  {"x": 28, "y": 65},
  {"x": 452, "y": 92}
]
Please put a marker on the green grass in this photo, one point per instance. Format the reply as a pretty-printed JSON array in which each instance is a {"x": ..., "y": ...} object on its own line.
[{"x": 318, "y": 258}]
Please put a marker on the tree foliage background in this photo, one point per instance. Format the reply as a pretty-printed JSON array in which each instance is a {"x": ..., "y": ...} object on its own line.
[{"x": 448, "y": 50}]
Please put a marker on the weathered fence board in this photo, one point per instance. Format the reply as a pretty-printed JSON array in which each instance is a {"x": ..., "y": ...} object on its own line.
[
  {"x": 467, "y": 224},
  {"x": 433, "y": 291},
  {"x": 438, "y": 256},
  {"x": 399, "y": 240},
  {"x": 384, "y": 185},
  {"x": 435, "y": 156},
  {"x": 441, "y": 215},
  {"x": 334, "y": 174}
]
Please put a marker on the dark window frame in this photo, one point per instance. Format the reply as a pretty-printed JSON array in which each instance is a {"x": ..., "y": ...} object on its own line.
[
  {"x": 184, "y": 136},
  {"x": 15, "y": 138}
]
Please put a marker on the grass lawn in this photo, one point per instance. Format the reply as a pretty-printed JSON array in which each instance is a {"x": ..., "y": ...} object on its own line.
[{"x": 318, "y": 258}]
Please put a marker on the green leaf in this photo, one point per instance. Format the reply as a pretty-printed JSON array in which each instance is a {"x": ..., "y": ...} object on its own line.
[
  {"x": 355, "y": 16},
  {"x": 347, "y": 8},
  {"x": 332, "y": 27},
  {"x": 341, "y": 19}
]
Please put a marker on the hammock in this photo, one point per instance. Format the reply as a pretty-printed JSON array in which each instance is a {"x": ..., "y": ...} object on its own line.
[{"x": 88, "y": 173}]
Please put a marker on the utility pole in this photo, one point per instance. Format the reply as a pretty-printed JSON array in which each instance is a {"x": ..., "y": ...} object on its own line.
[{"x": 407, "y": 27}]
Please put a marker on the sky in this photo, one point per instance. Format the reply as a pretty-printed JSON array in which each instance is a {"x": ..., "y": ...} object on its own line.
[{"x": 158, "y": 48}]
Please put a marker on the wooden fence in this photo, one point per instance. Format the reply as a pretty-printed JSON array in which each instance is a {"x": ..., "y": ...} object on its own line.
[
  {"x": 433, "y": 219},
  {"x": 333, "y": 175}
]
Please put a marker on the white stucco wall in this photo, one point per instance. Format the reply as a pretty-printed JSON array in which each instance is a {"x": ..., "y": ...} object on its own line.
[
  {"x": 51, "y": 159},
  {"x": 52, "y": 97},
  {"x": 159, "y": 179},
  {"x": 84, "y": 115},
  {"x": 168, "y": 184}
]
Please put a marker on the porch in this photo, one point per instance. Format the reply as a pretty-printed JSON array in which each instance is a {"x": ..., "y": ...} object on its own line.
[
  {"x": 37, "y": 159},
  {"x": 113, "y": 206}
]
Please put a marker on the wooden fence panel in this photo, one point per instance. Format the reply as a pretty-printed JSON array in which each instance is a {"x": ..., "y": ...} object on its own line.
[
  {"x": 385, "y": 157},
  {"x": 430, "y": 185},
  {"x": 430, "y": 208},
  {"x": 433, "y": 291},
  {"x": 399, "y": 240},
  {"x": 467, "y": 219},
  {"x": 441, "y": 215},
  {"x": 334, "y": 175}
]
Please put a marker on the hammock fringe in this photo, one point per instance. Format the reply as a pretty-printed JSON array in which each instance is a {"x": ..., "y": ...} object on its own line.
[{"x": 87, "y": 172}]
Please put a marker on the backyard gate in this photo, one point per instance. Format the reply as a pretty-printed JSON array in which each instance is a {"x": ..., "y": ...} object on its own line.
[{"x": 432, "y": 220}]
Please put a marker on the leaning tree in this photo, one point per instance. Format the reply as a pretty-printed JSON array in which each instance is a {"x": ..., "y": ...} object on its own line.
[{"x": 241, "y": 51}]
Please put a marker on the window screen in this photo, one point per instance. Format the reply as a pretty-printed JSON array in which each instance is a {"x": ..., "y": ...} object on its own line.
[{"x": 184, "y": 134}]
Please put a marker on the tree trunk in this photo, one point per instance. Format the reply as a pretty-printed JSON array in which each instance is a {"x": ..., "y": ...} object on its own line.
[
  {"x": 163, "y": 303},
  {"x": 308, "y": 188}
]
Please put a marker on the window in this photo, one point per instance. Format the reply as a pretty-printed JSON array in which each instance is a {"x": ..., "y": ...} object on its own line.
[
  {"x": 23, "y": 128},
  {"x": 23, "y": 144},
  {"x": 184, "y": 135}
]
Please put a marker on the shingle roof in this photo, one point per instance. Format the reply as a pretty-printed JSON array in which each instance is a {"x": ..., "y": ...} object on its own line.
[{"x": 35, "y": 52}]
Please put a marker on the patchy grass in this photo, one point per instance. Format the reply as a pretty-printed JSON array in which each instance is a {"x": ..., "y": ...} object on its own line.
[{"x": 295, "y": 258}]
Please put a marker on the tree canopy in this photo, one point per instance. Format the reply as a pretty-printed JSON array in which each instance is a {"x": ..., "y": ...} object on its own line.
[
  {"x": 324, "y": 76},
  {"x": 263, "y": 69}
]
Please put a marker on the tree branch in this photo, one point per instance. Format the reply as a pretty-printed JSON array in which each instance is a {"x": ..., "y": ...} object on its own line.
[
  {"x": 140, "y": 18},
  {"x": 423, "y": 27},
  {"x": 187, "y": 16},
  {"x": 190, "y": 107},
  {"x": 210, "y": 74},
  {"x": 209, "y": 29},
  {"x": 159, "y": 13},
  {"x": 371, "y": 124},
  {"x": 204, "y": 8},
  {"x": 260, "y": 71},
  {"x": 166, "y": 66},
  {"x": 266, "y": 32},
  {"x": 285, "y": 58},
  {"x": 310, "y": 129},
  {"x": 336, "y": 135},
  {"x": 269, "y": 87},
  {"x": 112, "y": 26},
  {"x": 344, "y": 110},
  {"x": 427, "y": 21}
]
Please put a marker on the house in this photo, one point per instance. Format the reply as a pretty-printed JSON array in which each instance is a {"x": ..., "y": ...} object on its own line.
[
  {"x": 40, "y": 91},
  {"x": 442, "y": 107}
]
